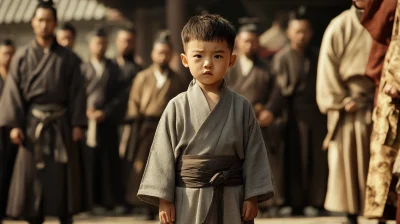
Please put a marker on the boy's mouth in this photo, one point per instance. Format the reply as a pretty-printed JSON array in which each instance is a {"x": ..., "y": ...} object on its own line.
[{"x": 207, "y": 73}]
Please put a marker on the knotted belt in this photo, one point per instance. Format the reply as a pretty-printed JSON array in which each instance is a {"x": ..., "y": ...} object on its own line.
[
  {"x": 210, "y": 171},
  {"x": 48, "y": 115}
]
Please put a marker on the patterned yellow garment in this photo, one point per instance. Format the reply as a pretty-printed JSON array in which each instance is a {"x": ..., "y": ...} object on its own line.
[{"x": 385, "y": 139}]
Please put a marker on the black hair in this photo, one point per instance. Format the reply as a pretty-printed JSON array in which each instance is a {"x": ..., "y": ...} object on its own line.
[
  {"x": 163, "y": 38},
  {"x": 7, "y": 42},
  {"x": 301, "y": 14},
  {"x": 98, "y": 32},
  {"x": 68, "y": 27},
  {"x": 46, "y": 4},
  {"x": 209, "y": 27},
  {"x": 129, "y": 29}
]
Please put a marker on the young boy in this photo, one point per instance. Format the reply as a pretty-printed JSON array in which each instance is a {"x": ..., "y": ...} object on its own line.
[{"x": 208, "y": 162}]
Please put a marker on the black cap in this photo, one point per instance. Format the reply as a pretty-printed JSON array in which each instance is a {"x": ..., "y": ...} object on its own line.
[{"x": 99, "y": 32}]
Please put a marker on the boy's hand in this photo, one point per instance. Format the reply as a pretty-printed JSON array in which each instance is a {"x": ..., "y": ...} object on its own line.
[
  {"x": 166, "y": 212},
  {"x": 250, "y": 209}
]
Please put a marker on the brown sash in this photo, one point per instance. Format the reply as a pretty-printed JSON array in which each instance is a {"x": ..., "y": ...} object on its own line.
[{"x": 210, "y": 171}]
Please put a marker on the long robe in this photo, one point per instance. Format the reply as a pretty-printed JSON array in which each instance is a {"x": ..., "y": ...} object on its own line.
[
  {"x": 102, "y": 163},
  {"x": 145, "y": 107},
  {"x": 385, "y": 139},
  {"x": 260, "y": 88},
  {"x": 188, "y": 127},
  {"x": 36, "y": 77},
  {"x": 306, "y": 129},
  {"x": 341, "y": 78},
  {"x": 8, "y": 152}
]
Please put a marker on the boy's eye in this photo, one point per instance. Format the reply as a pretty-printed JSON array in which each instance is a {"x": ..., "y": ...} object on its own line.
[
  {"x": 218, "y": 56},
  {"x": 197, "y": 56}
]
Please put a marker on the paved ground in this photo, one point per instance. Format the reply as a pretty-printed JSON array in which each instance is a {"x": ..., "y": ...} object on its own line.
[{"x": 132, "y": 220}]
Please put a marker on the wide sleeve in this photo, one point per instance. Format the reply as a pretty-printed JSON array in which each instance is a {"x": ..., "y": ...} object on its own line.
[
  {"x": 276, "y": 101},
  {"x": 77, "y": 94},
  {"x": 257, "y": 175},
  {"x": 159, "y": 176},
  {"x": 12, "y": 103},
  {"x": 331, "y": 93}
]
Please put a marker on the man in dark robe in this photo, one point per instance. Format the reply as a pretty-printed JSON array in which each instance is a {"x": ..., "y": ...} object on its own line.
[
  {"x": 125, "y": 45},
  {"x": 43, "y": 102},
  {"x": 251, "y": 77},
  {"x": 306, "y": 163},
  {"x": 152, "y": 89},
  {"x": 101, "y": 159},
  {"x": 8, "y": 151}
]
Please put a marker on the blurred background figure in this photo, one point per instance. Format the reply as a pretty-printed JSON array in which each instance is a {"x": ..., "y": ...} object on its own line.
[
  {"x": 101, "y": 158},
  {"x": 152, "y": 89},
  {"x": 346, "y": 95},
  {"x": 251, "y": 77},
  {"x": 306, "y": 167},
  {"x": 8, "y": 151},
  {"x": 66, "y": 35}
]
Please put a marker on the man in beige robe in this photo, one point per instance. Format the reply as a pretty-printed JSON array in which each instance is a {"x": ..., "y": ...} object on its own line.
[
  {"x": 152, "y": 89},
  {"x": 345, "y": 94}
]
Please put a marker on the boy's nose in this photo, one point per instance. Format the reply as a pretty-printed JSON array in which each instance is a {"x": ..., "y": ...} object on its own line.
[{"x": 207, "y": 64}]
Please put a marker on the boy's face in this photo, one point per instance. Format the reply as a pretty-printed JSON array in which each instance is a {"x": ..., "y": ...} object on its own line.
[
  {"x": 208, "y": 61},
  {"x": 98, "y": 46},
  {"x": 299, "y": 33},
  {"x": 66, "y": 38},
  {"x": 247, "y": 43},
  {"x": 161, "y": 55}
]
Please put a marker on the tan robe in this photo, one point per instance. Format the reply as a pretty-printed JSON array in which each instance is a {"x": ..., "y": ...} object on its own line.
[
  {"x": 342, "y": 63},
  {"x": 385, "y": 139},
  {"x": 145, "y": 106},
  {"x": 188, "y": 127}
]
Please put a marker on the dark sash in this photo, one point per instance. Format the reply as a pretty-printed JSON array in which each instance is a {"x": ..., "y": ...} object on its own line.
[
  {"x": 47, "y": 116},
  {"x": 210, "y": 171}
]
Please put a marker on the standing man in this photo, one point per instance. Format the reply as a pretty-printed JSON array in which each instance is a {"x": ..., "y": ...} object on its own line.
[
  {"x": 66, "y": 35},
  {"x": 43, "y": 102},
  {"x": 101, "y": 159},
  {"x": 251, "y": 77},
  {"x": 125, "y": 44},
  {"x": 8, "y": 151},
  {"x": 346, "y": 95},
  {"x": 152, "y": 89},
  {"x": 306, "y": 163}
]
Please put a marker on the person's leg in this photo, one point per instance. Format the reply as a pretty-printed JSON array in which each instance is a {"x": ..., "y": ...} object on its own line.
[
  {"x": 352, "y": 218},
  {"x": 398, "y": 209},
  {"x": 66, "y": 220}
]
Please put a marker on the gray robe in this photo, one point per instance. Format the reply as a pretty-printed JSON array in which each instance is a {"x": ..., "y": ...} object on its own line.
[
  {"x": 39, "y": 78},
  {"x": 8, "y": 152},
  {"x": 101, "y": 163},
  {"x": 188, "y": 127}
]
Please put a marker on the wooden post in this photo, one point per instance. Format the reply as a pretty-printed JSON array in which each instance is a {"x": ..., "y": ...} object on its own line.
[{"x": 177, "y": 16}]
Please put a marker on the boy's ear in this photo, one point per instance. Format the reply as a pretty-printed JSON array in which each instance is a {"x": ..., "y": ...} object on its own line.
[
  {"x": 232, "y": 61},
  {"x": 184, "y": 60}
]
